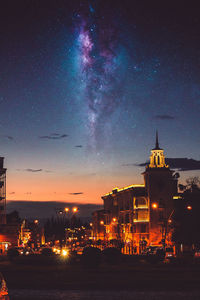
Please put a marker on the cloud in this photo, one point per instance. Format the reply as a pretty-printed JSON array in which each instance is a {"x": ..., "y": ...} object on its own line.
[
  {"x": 28, "y": 193},
  {"x": 164, "y": 117},
  {"x": 11, "y": 193},
  {"x": 183, "y": 164},
  {"x": 128, "y": 165},
  {"x": 179, "y": 164},
  {"x": 78, "y": 146},
  {"x": 10, "y": 138},
  {"x": 33, "y": 170},
  {"x": 79, "y": 193},
  {"x": 54, "y": 136}
]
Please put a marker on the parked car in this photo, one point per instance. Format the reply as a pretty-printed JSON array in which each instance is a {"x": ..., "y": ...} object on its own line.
[
  {"x": 169, "y": 252},
  {"x": 197, "y": 254}
]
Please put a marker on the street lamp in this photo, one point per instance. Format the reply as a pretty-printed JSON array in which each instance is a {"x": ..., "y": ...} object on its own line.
[
  {"x": 154, "y": 205},
  {"x": 75, "y": 209},
  {"x": 66, "y": 209},
  {"x": 189, "y": 207}
]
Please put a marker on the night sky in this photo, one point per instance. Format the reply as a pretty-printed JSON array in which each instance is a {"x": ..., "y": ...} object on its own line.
[{"x": 83, "y": 87}]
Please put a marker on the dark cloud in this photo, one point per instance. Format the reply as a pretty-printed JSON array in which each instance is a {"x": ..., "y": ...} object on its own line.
[
  {"x": 179, "y": 164},
  {"x": 128, "y": 165},
  {"x": 79, "y": 193},
  {"x": 54, "y": 136},
  {"x": 10, "y": 138},
  {"x": 33, "y": 170},
  {"x": 183, "y": 164},
  {"x": 11, "y": 193},
  {"x": 164, "y": 117},
  {"x": 28, "y": 193},
  {"x": 78, "y": 146}
]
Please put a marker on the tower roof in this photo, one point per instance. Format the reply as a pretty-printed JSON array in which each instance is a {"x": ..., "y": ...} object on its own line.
[{"x": 157, "y": 143}]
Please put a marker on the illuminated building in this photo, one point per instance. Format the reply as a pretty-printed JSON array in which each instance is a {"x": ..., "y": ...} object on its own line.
[
  {"x": 2, "y": 192},
  {"x": 9, "y": 224},
  {"x": 140, "y": 215}
]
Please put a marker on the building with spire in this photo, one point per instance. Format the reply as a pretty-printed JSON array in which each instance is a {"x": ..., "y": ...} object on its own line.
[{"x": 140, "y": 214}]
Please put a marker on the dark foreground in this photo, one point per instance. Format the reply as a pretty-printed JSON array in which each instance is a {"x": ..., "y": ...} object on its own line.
[
  {"x": 123, "y": 281},
  {"x": 100, "y": 295}
]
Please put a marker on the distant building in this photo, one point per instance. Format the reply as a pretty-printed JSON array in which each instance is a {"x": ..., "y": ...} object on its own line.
[
  {"x": 2, "y": 192},
  {"x": 140, "y": 214},
  {"x": 9, "y": 224}
]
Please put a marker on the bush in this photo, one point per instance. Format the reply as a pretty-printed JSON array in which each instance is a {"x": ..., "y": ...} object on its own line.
[
  {"x": 91, "y": 257},
  {"x": 47, "y": 252},
  {"x": 12, "y": 253},
  {"x": 112, "y": 255}
]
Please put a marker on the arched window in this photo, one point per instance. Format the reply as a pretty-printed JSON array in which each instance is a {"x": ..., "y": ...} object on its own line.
[{"x": 140, "y": 202}]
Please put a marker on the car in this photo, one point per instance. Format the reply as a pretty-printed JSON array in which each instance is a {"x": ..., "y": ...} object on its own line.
[
  {"x": 169, "y": 252},
  {"x": 197, "y": 254}
]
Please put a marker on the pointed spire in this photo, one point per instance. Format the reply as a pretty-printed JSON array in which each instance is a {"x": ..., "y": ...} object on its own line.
[{"x": 157, "y": 144}]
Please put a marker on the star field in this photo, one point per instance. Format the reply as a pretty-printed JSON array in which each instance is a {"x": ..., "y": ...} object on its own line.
[{"x": 83, "y": 87}]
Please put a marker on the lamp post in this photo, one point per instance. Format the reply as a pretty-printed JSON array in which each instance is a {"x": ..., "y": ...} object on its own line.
[
  {"x": 70, "y": 213},
  {"x": 166, "y": 223}
]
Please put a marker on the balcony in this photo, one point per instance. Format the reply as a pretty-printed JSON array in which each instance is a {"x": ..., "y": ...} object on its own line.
[{"x": 141, "y": 216}]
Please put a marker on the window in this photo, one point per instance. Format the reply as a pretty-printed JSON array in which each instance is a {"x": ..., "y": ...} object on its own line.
[
  {"x": 127, "y": 218},
  {"x": 143, "y": 228},
  {"x": 140, "y": 202}
]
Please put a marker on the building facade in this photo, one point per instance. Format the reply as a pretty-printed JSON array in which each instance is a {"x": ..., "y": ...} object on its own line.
[
  {"x": 2, "y": 192},
  {"x": 9, "y": 224},
  {"x": 140, "y": 215}
]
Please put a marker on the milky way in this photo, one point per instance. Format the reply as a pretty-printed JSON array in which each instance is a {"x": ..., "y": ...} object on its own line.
[{"x": 100, "y": 73}]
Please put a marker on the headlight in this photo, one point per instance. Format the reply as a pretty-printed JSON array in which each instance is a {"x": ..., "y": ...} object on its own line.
[{"x": 64, "y": 252}]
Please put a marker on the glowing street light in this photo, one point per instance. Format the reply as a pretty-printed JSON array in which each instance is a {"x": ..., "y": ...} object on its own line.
[
  {"x": 75, "y": 209},
  {"x": 36, "y": 221},
  {"x": 64, "y": 252},
  {"x": 114, "y": 219},
  {"x": 155, "y": 205},
  {"x": 91, "y": 224},
  {"x": 101, "y": 222},
  {"x": 189, "y": 207},
  {"x": 66, "y": 209}
]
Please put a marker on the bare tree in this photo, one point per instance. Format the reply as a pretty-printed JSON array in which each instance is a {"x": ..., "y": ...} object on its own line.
[{"x": 192, "y": 182}]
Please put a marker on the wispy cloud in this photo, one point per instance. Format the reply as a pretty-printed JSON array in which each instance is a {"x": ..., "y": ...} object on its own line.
[
  {"x": 53, "y": 136},
  {"x": 28, "y": 193},
  {"x": 164, "y": 117},
  {"x": 79, "y": 146},
  {"x": 33, "y": 170},
  {"x": 79, "y": 193},
  {"x": 11, "y": 193}
]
